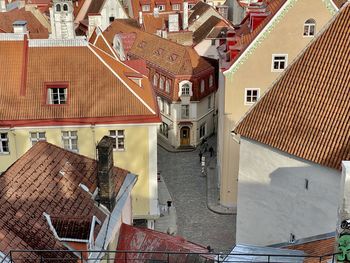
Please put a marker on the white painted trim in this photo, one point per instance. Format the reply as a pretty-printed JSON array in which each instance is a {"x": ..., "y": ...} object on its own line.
[
  {"x": 285, "y": 63},
  {"x": 257, "y": 38},
  {"x": 334, "y": 5},
  {"x": 152, "y": 171},
  {"x": 78, "y": 126},
  {"x": 115, "y": 74},
  {"x": 111, "y": 49},
  {"x": 245, "y": 96}
]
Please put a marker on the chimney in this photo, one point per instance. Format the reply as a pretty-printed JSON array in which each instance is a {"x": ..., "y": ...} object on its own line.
[
  {"x": 140, "y": 18},
  {"x": 20, "y": 27},
  {"x": 174, "y": 23},
  {"x": 185, "y": 16},
  {"x": 105, "y": 178},
  {"x": 2, "y": 6}
]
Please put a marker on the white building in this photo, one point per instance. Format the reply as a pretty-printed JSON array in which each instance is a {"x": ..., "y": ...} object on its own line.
[{"x": 292, "y": 142}]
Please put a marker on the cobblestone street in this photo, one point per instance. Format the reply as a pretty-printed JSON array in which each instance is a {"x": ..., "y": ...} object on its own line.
[{"x": 182, "y": 174}]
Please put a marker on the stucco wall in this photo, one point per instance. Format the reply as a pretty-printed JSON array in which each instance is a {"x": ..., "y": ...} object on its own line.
[
  {"x": 205, "y": 49},
  {"x": 139, "y": 156},
  {"x": 273, "y": 201},
  {"x": 284, "y": 37}
]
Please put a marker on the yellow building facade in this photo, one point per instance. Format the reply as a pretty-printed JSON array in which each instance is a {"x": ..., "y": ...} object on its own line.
[{"x": 255, "y": 70}]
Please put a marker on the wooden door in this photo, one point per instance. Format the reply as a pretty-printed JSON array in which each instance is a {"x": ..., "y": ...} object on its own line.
[{"x": 185, "y": 136}]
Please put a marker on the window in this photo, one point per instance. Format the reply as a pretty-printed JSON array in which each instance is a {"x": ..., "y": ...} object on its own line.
[
  {"x": 119, "y": 137},
  {"x": 309, "y": 28},
  {"x": 202, "y": 85},
  {"x": 70, "y": 140},
  {"x": 166, "y": 108},
  {"x": 167, "y": 86},
  {"x": 161, "y": 83},
  {"x": 65, "y": 7},
  {"x": 211, "y": 81},
  {"x": 4, "y": 143},
  {"x": 202, "y": 130},
  {"x": 173, "y": 57},
  {"x": 159, "y": 51},
  {"x": 161, "y": 7},
  {"x": 142, "y": 44},
  {"x": 209, "y": 102},
  {"x": 57, "y": 95},
  {"x": 111, "y": 19},
  {"x": 176, "y": 7},
  {"x": 58, "y": 8},
  {"x": 190, "y": 6},
  {"x": 213, "y": 42},
  {"x": 185, "y": 89},
  {"x": 279, "y": 62},
  {"x": 251, "y": 95},
  {"x": 155, "y": 80},
  {"x": 160, "y": 104},
  {"x": 37, "y": 136},
  {"x": 185, "y": 111},
  {"x": 146, "y": 8},
  {"x": 164, "y": 128}
]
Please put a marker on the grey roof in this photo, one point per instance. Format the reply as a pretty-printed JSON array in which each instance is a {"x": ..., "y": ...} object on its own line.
[{"x": 248, "y": 253}]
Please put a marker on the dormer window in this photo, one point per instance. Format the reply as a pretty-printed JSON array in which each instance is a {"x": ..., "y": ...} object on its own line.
[
  {"x": 142, "y": 44},
  {"x": 57, "y": 95},
  {"x": 58, "y": 8},
  {"x": 202, "y": 85},
  {"x": 146, "y": 8},
  {"x": 161, "y": 83},
  {"x": 161, "y": 7},
  {"x": 176, "y": 7},
  {"x": 185, "y": 89},
  {"x": 159, "y": 51},
  {"x": 173, "y": 57}
]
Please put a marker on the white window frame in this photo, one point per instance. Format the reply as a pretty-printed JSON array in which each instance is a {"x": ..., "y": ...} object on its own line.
[
  {"x": 161, "y": 8},
  {"x": 310, "y": 23},
  {"x": 146, "y": 8},
  {"x": 185, "y": 111},
  {"x": 155, "y": 80},
  {"x": 6, "y": 141},
  {"x": 118, "y": 135},
  {"x": 37, "y": 137},
  {"x": 273, "y": 62},
  {"x": 202, "y": 85},
  {"x": 185, "y": 89},
  {"x": 176, "y": 7},
  {"x": 50, "y": 95},
  {"x": 246, "y": 102},
  {"x": 161, "y": 104},
  {"x": 166, "y": 106},
  {"x": 161, "y": 82},
  {"x": 69, "y": 138},
  {"x": 167, "y": 85},
  {"x": 202, "y": 127}
]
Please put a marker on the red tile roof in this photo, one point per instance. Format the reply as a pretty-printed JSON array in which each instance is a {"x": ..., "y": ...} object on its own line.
[
  {"x": 72, "y": 227},
  {"x": 187, "y": 61},
  {"x": 35, "y": 28},
  {"x": 147, "y": 240},
  {"x": 46, "y": 180},
  {"x": 29, "y": 69},
  {"x": 307, "y": 111}
]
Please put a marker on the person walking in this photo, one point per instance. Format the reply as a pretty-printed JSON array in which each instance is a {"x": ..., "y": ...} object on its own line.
[
  {"x": 200, "y": 156},
  {"x": 211, "y": 150}
]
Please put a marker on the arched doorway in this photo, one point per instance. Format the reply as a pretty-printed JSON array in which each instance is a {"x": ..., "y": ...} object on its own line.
[{"x": 185, "y": 136}]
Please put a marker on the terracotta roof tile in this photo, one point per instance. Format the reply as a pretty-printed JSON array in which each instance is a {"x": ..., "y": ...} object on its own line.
[
  {"x": 306, "y": 112},
  {"x": 187, "y": 61},
  {"x": 35, "y": 28},
  {"x": 33, "y": 185},
  {"x": 119, "y": 99}
]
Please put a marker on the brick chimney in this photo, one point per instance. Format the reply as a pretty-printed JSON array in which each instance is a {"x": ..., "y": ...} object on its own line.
[{"x": 105, "y": 178}]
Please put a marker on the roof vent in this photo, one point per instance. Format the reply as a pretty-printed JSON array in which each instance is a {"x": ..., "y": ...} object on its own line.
[{"x": 84, "y": 187}]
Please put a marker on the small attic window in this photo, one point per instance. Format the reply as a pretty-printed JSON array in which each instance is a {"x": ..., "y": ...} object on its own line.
[
  {"x": 173, "y": 57},
  {"x": 159, "y": 51},
  {"x": 136, "y": 80},
  {"x": 142, "y": 44},
  {"x": 57, "y": 93}
]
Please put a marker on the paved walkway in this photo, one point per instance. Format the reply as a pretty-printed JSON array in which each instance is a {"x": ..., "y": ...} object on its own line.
[{"x": 181, "y": 172}]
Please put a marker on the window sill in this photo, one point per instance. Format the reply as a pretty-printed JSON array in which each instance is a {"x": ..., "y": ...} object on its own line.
[
  {"x": 277, "y": 70},
  {"x": 4, "y": 153},
  {"x": 118, "y": 150}
]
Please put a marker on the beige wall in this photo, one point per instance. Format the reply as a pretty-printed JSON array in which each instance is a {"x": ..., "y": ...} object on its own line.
[
  {"x": 139, "y": 156},
  {"x": 285, "y": 36}
]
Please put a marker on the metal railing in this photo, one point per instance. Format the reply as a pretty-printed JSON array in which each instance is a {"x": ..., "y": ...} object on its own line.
[{"x": 46, "y": 256}]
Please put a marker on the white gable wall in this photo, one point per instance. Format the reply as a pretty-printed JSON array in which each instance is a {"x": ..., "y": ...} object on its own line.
[{"x": 273, "y": 201}]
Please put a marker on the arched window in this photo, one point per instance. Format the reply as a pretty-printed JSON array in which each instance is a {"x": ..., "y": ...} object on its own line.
[
  {"x": 202, "y": 85},
  {"x": 155, "y": 80},
  {"x": 58, "y": 8},
  {"x": 211, "y": 81},
  {"x": 309, "y": 27},
  {"x": 167, "y": 86},
  {"x": 185, "y": 89},
  {"x": 65, "y": 7},
  {"x": 161, "y": 83}
]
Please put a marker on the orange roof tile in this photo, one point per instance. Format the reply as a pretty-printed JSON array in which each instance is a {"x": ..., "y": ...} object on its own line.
[
  {"x": 113, "y": 98},
  {"x": 33, "y": 185},
  {"x": 35, "y": 28},
  {"x": 307, "y": 111},
  {"x": 186, "y": 62}
]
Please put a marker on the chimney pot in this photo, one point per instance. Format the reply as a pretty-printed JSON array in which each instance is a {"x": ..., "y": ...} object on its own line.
[{"x": 105, "y": 176}]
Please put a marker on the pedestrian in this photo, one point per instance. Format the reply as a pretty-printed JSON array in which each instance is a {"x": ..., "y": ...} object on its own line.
[
  {"x": 211, "y": 150},
  {"x": 200, "y": 156}
]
